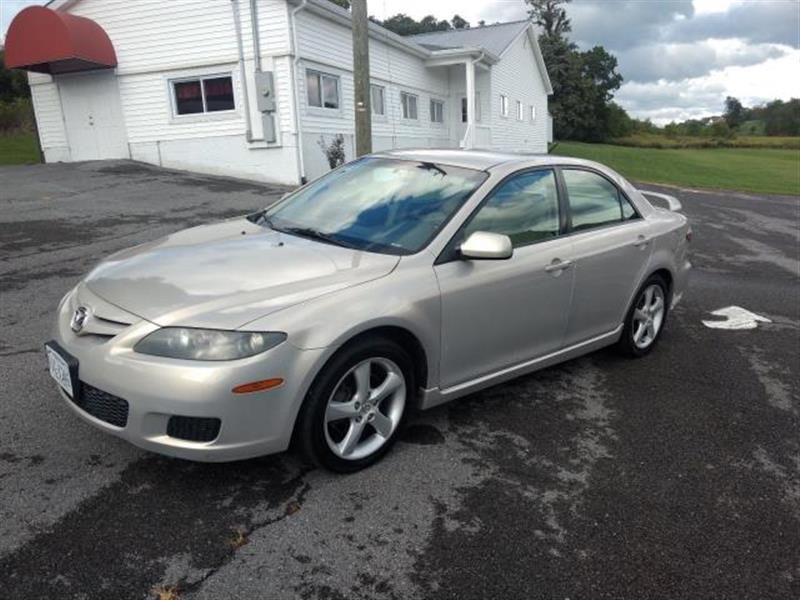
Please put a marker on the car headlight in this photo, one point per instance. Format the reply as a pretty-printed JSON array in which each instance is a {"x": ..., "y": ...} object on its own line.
[{"x": 207, "y": 344}]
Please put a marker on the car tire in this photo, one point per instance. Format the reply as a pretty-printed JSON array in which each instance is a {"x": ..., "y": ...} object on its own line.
[
  {"x": 646, "y": 319},
  {"x": 346, "y": 426}
]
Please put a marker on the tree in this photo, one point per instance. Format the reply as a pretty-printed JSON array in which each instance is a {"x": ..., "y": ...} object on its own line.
[
  {"x": 13, "y": 84},
  {"x": 402, "y": 24},
  {"x": 718, "y": 129},
  {"x": 583, "y": 85},
  {"x": 734, "y": 112},
  {"x": 550, "y": 15},
  {"x": 563, "y": 67},
  {"x": 620, "y": 125},
  {"x": 459, "y": 23},
  {"x": 782, "y": 118}
]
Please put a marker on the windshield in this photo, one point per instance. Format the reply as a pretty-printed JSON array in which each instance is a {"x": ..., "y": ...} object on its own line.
[{"x": 377, "y": 204}]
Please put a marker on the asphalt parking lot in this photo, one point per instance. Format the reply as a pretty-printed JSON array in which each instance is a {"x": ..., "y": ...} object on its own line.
[{"x": 674, "y": 476}]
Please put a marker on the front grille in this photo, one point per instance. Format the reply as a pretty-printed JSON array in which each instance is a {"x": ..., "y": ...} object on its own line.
[
  {"x": 193, "y": 429},
  {"x": 102, "y": 405}
]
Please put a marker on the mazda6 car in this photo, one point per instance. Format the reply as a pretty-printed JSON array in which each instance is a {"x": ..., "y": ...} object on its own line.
[{"x": 392, "y": 284}]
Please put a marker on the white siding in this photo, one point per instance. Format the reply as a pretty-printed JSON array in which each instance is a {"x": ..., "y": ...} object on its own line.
[
  {"x": 157, "y": 41},
  {"x": 327, "y": 46},
  {"x": 517, "y": 77},
  {"x": 156, "y": 35},
  {"x": 49, "y": 119}
]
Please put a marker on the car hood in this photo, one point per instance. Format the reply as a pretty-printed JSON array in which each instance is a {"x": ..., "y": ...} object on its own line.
[{"x": 227, "y": 274}]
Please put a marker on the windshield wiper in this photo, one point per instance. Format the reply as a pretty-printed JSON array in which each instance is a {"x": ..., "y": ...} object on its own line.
[
  {"x": 429, "y": 166},
  {"x": 260, "y": 218},
  {"x": 315, "y": 234}
]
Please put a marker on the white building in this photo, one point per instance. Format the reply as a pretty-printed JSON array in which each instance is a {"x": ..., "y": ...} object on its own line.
[{"x": 249, "y": 87}]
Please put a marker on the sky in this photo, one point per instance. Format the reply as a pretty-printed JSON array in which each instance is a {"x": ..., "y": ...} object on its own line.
[{"x": 679, "y": 58}]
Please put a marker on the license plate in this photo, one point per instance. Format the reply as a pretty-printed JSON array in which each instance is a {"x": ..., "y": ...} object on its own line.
[{"x": 59, "y": 370}]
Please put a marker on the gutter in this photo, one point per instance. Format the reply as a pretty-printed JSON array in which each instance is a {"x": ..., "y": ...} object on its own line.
[
  {"x": 454, "y": 54},
  {"x": 298, "y": 130}
]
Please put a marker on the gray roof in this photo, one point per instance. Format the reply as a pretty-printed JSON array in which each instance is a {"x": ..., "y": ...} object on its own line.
[{"x": 494, "y": 38}]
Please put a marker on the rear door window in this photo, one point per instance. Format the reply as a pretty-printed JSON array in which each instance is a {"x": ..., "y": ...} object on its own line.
[{"x": 595, "y": 201}]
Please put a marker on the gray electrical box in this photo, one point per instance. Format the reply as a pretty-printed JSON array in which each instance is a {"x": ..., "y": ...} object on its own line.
[
  {"x": 265, "y": 98},
  {"x": 265, "y": 91}
]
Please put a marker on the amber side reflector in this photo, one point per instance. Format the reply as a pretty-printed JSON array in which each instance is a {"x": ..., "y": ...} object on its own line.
[{"x": 258, "y": 386}]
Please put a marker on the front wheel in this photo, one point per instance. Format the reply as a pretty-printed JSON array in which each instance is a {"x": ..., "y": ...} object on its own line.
[
  {"x": 357, "y": 405},
  {"x": 645, "y": 319}
]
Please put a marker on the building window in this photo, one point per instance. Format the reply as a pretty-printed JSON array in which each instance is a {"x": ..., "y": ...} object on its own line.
[
  {"x": 533, "y": 113},
  {"x": 477, "y": 108},
  {"x": 322, "y": 90},
  {"x": 203, "y": 95},
  {"x": 409, "y": 104},
  {"x": 520, "y": 111},
  {"x": 378, "y": 99},
  {"x": 503, "y": 105},
  {"x": 437, "y": 111}
]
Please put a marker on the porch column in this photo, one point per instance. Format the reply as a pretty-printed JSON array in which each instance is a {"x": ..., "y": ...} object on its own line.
[{"x": 469, "y": 136}]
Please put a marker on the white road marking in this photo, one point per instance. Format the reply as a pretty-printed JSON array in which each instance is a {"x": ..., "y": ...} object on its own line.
[{"x": 736, "y": 318}]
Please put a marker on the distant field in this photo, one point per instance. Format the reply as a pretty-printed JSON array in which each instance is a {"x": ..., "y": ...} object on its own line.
[
  {"x": 18, "y": 149},
  {"x": 750, "y": 170},
  {"x": 650, "y": 140}
]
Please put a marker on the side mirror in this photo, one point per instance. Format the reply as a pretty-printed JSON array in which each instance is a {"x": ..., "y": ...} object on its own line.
[{"x": 483, "y": 245}]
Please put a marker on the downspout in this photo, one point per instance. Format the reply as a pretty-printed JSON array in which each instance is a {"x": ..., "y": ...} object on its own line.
[
  {"x": 298, "y": 131},
  {"x": 256, "y": 38},
  {"x": 470, "y": 125},
  {"x": 238, "y": 26}
]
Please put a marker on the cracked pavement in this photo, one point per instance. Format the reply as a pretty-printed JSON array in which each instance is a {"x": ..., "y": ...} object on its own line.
[{"x": 674, "y": 476}]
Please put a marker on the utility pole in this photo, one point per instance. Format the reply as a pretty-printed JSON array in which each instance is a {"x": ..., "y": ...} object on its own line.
[{"x": 361, "y": 77}]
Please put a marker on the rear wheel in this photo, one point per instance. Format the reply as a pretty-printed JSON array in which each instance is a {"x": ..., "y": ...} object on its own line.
[
  {"x": 646, "y": 318},
  {"x": 357, "y": 405}
]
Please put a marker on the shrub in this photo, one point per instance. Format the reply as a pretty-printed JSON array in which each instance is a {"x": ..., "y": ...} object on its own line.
[
  {"x": 16, "y": 116},
  {"x": 334, "y": 151}
]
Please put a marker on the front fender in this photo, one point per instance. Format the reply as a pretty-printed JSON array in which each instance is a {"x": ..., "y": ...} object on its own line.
[{"x": 408, "y": 298}]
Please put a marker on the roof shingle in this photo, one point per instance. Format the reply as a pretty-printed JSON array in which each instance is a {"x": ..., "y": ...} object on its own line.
[{"x": 494, "y": 38}]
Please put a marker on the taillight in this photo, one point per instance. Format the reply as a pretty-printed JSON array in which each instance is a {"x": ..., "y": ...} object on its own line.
[{"x": 689, "y": 235}]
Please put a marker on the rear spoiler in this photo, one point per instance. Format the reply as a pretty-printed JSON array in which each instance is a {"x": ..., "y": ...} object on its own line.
[{"x": 673, "y": 204}]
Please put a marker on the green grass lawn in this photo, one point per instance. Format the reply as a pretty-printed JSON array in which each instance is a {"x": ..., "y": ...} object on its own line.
[
  {"x": 742, "y": 169},
  {"x": 18, "y": 149}
]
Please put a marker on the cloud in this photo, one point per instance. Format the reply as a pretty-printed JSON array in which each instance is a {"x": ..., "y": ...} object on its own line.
[
  {"x": 664, "y": 101},
  {"x": 675, "y": 62},
  {"x": 622, "y": 24},
  {"x": 765, "y": 21}
]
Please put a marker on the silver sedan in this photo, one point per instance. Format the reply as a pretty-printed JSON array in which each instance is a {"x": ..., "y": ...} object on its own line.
[{"x": 395, "y": 283}]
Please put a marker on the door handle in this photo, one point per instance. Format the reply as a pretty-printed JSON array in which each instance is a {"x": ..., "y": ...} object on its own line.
[
  {"x": 641, "y": 241},
  {"x": 558, "y": 265}
]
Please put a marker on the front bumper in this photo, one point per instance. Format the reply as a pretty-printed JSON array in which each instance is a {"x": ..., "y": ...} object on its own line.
[{"x": 157, "y": 388}]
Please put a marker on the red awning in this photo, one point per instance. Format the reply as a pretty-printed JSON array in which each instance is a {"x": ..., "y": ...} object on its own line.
[{"x": 49, "y": 41}]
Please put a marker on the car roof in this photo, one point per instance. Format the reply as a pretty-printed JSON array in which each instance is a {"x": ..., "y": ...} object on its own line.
[{"x": 481, "y": 159}]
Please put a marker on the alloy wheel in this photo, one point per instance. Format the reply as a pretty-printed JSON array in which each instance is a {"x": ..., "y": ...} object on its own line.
[
  {"x": 365, "y": 408},
  {"x": 648, "y": 316}
]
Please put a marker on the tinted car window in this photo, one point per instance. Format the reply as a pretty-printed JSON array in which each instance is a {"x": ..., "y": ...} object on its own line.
[
  {"x": 628, "y": 211},
  {"x": 377, "y": 204},
  {"x": 525, "y": 208},
  {"x": 594, "y": 201}
]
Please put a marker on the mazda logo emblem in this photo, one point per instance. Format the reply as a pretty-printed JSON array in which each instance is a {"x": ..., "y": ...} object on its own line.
[{"x": 79, "y": 319}]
